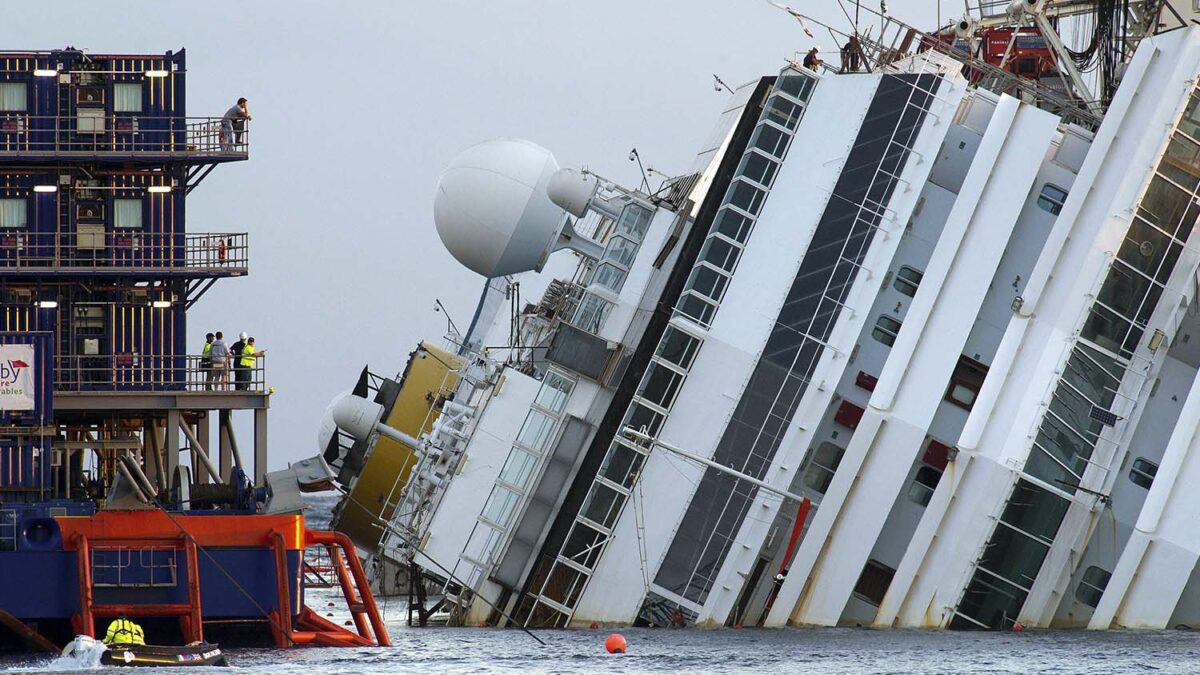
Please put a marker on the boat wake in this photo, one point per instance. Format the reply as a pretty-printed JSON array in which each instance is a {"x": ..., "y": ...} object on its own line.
[{"x": 83, "y": 653}]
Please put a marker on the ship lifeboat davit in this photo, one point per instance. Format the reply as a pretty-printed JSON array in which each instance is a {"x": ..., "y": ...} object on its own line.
[{"x": 492, "y": 209}]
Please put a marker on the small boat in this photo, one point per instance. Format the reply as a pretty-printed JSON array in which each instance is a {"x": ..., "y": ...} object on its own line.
[{"x": 193, "y": 654}]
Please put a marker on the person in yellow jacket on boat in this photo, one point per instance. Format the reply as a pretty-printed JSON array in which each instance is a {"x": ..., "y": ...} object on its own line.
[{"x": 122, "y": 631}]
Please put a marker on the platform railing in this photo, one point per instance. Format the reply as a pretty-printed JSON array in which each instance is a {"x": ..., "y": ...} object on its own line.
[
  {"x": 213, "y": 252},
  {"x": 121, "y": 134},
  {"x": 131, "y": 371}
]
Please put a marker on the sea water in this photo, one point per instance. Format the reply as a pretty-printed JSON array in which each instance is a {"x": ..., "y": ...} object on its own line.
[
  {"x": 824, "y": 651},
  {"x": 828, "y": 651}
]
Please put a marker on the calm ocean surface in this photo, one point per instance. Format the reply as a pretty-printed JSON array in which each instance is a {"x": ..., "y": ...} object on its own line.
[
  {"x": 825, "y": 651},
  {"x": 831, "y": 651}
]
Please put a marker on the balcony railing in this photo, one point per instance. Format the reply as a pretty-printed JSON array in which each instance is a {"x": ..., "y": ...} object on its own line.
[
  {"x": 125, "y": 251},
  {"x": 139, "y": 373},
  {"x": 22, "y": 134}
]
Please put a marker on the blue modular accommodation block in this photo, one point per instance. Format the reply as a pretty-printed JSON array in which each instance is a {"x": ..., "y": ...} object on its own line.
[
  {"x": 42, "y": 371},
  {"x": 102, "y": 108}
]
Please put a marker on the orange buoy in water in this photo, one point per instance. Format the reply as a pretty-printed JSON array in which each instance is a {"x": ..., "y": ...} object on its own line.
[
  {"x": 615, "y": 644},
  {"x": 1017, "y": 628}
]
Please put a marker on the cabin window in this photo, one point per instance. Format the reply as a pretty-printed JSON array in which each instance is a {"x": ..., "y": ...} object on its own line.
[
  {"x": 966, "y": 382},
  {"x": 678, "y": 347},
  {"x": 923, "y": 485},
  {"x": 770, "y": 140},
  {"x": 535, "y": 433},
  {"x": 1051, "y": 199},
  {"x": 873, "y": 582},
  {"x": 554, "y": 392},
  {"x": 1142, "y": 472},
  {"x": 659, "y": 385},
  {"x": 13, "y": 213},
  {"x": 128, "y": 213},
  {"x": 907, "y": 280},
  {"x": 610, "y": 276},
  {"x": 759, "y": 168},
  {"x": 592, "y": 312},
  {"x": 885, "y": 330},
  {"x": 127, "y": 97},
  {"x": 12, "y": 97},
  {"x": 720, "y": 253},
  {"x": 746, "y": 197},
  {"x": 1092, "y": 586},
  {"x": 822, "y": 466}
]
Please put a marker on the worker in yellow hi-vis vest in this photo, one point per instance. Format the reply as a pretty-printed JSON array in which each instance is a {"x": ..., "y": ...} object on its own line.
[
  {"x": 246, "y": 362},
  {"x": 122, "y": 631}
]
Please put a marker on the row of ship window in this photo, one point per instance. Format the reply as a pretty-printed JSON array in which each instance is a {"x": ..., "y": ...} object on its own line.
[
  {"x": 14, "y": 213},
  {"x": 127, "y": 97},
  {"x": 876, "y": 577}
]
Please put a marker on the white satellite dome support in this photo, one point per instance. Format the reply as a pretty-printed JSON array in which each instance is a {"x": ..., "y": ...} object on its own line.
[
  {"x": 493, "y": 213},
  {"x": 361, "y": 418}
]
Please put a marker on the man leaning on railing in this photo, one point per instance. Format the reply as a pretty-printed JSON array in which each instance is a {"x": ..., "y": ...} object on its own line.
[{"x": 233, "y": 125}]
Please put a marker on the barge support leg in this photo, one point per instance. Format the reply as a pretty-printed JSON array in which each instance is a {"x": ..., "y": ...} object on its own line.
[
  {"x": 83, "y": 557},
  {"x": 28, "y": 635}
]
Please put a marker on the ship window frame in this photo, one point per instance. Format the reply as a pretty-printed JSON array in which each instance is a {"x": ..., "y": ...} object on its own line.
[
  {"x": 1146, "y": 471},
  {"x": 920, "y": 491},
  {"x": 1051, "y": 203},
  {"x": 906, "y": 285},
  {"x": 19, "y": 207},
  {"x": 888, "y": 333},
  {"x": 963, "y": 382},
  {"x": 709, "y": 281},
  {"x": 591, "y": 313},
  {"x": 733, "y": 225},
  {"x": 819, "y": 472},
  {"x": 11, "y": 107},
  {"x": 769, "y": 168},
  {"x": 870, "y": 587},
  {"x": 610, "y": 275},
  {"x": 123, "y": 101},
  {"x": 779, "y": 149},
  {"x": 721, "y": 252},
  {"x": 1090, "y": 589},
  {"x": 704, "y": 316},
  {"x": 746, "y": 196},
  {"x": 682, "y": 351},
  {"x": 125, "y": 208}
]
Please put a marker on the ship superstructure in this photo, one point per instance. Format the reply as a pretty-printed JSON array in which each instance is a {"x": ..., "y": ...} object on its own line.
[
  {"x": 122, "y": 486},
  {"x": 910, "y": 345}
]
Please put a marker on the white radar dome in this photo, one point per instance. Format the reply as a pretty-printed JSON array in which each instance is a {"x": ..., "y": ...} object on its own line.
[
  {"x": 328, "y": 427},
  {"x": 572, "y": 190},
  {"x": 492, "y": 211}
]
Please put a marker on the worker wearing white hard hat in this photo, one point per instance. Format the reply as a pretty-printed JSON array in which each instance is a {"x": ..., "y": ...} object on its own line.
[{"x": 241, "y": 374}]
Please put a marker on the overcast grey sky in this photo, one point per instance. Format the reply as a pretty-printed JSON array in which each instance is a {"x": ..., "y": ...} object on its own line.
[{"x": 359, "y": 105}]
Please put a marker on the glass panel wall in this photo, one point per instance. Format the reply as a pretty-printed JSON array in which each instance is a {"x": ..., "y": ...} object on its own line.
[
  {"x": 1080, "y": 406},
  {"x": 524, "y": 463},
  {"x": 797, "y": 342},
  {"x": 677, "y": 349}
]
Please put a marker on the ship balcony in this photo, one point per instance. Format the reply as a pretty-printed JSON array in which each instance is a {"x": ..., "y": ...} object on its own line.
[
  {"x": 124, "y": 253},
  {"x": 133, "y": 372},
  {"x": 120, "y": 138}
]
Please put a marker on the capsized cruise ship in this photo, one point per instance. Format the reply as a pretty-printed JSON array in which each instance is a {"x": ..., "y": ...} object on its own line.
[{"x": 914, "y": 343}]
